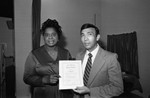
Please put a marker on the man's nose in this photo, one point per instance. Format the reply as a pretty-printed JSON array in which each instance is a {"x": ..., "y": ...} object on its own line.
[{"x": 85, "y": 38}]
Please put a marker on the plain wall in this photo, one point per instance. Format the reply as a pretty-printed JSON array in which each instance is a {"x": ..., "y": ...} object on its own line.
[
  {"x": 125, "y": 16},
  {"x": 22, "y": 43},
  {"x": 6, "y": 36}
]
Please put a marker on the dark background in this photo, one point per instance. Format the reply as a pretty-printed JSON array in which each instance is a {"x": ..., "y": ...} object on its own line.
[{"x": 7, "y": 8}]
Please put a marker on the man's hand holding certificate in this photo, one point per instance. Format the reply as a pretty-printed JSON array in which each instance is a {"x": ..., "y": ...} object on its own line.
[{"x": 70, "y": 72}]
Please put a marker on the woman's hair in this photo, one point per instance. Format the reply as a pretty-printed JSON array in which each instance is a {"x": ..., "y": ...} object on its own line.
[
  {"x": 88, "y": 25},
  {"x": 49, "y": 23}
]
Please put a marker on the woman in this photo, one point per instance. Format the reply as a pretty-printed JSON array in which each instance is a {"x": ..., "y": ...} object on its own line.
[{"x": 41, "y": 67}]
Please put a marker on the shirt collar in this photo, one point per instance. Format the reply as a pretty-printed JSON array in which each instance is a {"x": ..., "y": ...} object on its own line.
[{"x": 94, "y": 52}]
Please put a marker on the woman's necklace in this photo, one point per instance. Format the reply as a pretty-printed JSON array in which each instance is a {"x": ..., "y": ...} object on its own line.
[{"x": 52, "y": 53}]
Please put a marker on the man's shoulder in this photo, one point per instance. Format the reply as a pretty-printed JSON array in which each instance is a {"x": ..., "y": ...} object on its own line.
[
  {"x": 109, "y": 54},
  {"x": 80, "y": 54}
]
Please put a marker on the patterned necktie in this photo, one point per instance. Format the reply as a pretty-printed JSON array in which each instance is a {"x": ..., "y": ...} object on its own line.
[{"x": 87, "y": 69}]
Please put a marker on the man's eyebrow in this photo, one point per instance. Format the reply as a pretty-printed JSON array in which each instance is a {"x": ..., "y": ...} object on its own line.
[{"x": 90, "y": 32}]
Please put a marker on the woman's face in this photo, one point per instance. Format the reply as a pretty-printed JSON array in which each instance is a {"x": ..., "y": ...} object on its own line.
[{"x": 50, "y": 37}]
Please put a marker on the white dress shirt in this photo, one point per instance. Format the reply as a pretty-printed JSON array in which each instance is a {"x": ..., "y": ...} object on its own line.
[{"x": 86, "y": 56}]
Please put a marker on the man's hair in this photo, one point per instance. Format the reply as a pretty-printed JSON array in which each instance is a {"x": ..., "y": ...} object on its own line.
[{"x": 88, "y": 25}]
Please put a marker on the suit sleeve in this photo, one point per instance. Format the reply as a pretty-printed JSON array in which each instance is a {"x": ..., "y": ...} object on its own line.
[
  {"x": 115, "y": 84},
  {"x": 30, "y": 75}
]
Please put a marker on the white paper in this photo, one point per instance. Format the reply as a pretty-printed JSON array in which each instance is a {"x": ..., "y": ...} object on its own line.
[{"x": 70, "y": 72}]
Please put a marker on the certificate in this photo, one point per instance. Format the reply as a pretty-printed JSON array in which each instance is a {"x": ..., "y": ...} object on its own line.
[{"x": 70, "y": 72}]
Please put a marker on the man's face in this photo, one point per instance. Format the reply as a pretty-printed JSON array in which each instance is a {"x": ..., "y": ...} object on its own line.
[
  {"x": 89, "y": 38},
  {"x": 50, "y": 37}
]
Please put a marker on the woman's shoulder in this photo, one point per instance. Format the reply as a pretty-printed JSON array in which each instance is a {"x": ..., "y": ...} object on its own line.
[
  {"x": 63, "y": 49},
  {"x": 38, "y": 49}
]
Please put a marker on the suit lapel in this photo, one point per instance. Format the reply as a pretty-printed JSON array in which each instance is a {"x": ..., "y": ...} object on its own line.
[{"x": 97, "y": 65}]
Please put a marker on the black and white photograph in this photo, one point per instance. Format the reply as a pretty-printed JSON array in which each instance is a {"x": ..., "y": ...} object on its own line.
[{"x": 74, "y": 49}]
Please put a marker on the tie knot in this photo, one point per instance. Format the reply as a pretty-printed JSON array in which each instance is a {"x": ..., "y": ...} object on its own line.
[{"x": 90, "y": 55}]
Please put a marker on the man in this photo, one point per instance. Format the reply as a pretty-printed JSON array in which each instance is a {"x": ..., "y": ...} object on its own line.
[{"x": 102, "y": 73}]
